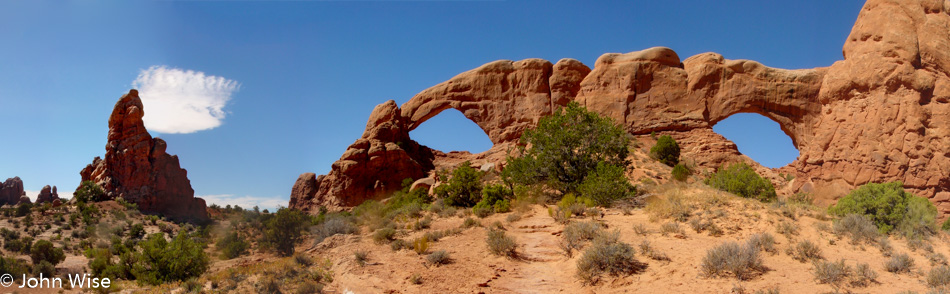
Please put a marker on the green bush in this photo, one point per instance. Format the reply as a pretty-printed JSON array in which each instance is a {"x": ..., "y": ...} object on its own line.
[
  {"x": 605, "y": 184},
  {"x": 43, "y": 250},
  {"x": 946, "y": 225},
  {"x": 889, "y": 207},
  {"x": 23, "y": 209},
  {"x": 494, "y": 199},
  {"x": 666, "y": 150},
  {"x": 232, "y": 245},
  {"x": 284, "y": 230},
  {"x": 13, "y": 266},
  {"x": 463, "y": 188},
  {"x": 565, "y": 147},
  {"x": 161, "y": 261},
  {"x": 607, "y": 255},
  {"x": 680, "y": 172},
  {"x": 89, "y": 191},
  {"x": 741, "y": 179}
]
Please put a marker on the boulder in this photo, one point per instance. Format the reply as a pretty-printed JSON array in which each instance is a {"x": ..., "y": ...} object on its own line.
[
  {"x": 137, "y": 168},
  {"x": 11, "y": 190}
]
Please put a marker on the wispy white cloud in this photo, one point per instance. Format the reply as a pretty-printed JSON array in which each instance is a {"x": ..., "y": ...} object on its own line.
[
  {"x": 183, "y": 101},
  {"x": 246, "y": 202}
]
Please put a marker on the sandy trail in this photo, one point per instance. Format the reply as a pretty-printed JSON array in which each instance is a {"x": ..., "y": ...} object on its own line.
[{"x": 540, "y": 264}]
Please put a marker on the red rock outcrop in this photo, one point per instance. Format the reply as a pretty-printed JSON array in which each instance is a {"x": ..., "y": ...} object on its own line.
[
  {"x": 881, "y": 114},
  {"x": 11, "y": 190},
  {"x": 47, "y": 194},
  {"x": 137, "y": 168}
]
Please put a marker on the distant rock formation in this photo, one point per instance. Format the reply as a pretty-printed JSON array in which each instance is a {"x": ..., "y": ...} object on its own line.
[
  {"x": 881, "y": 114},
  {"x": 47, "y": 194},
  {"x": 137, "y": 168},
  {"x": 11, "y": 190}
]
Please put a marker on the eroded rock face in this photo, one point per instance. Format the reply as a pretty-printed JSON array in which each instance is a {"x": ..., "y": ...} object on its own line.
[
  {"x": 881, "y": 114},
  {"x": 10, "y": 191},
  {"x": 137, "y": 168},
  {"x": 47, "y": 194}
]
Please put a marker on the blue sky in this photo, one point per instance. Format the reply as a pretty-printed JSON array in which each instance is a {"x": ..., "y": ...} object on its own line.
[{"x": 305, "y": 74}]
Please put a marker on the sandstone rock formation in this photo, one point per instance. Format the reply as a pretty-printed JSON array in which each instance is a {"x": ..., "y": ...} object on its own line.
[
  {"x": 47, "y": 194},
  {"x": 881, "y": 114},
  {"x": 137, "y": 168},
  {"x": 11, "y": 190}
]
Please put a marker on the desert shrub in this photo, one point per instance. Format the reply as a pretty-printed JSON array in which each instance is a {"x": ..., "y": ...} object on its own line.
[
  {"x": 399, "y": 244},
  {"x": 565, "y": 147},
  {"x": 640, "y": 229},
  {"x": 494, "y": 199},
  {"x": 137, "y": 231},
  {"x": 513, "y": 217},
  {"x": 938, "y": 276},
  {"x": 576, "y": 233},
  {"x": 671, "y": 228},
  {"x": 574, "y": 205},
  {"x": 439, "y": 257},
  {"x": 333, "y": 225},
  {"x": 666, "y": 150},
  {"x": 648, "y": 250},
  {"x": 919, "y": 220},
  {"x": 732, "y": 259},
  {"x": 232, "y": 245},
  {"x": 470, "y": 222},
  {"x": 284, "y": 230},
  {"x": 384, "y": 235},
  {"x": 673, "y": 206},
  {"x": 888, "y": 206},
  {"x": 762, "y": 241},
  {"x": 463, "y": 188},
  {"x": 268, "y": 285},
  {"x": 361, "y": 256},
  {"x": 946, "y": 225},
  {"x": 863, "y": 275},
  {"x": 161, "y": 261},
  {"x": 23, "y": 210},
  {"x": 89, "y": 191},
  {"x": 501, "y": 244},
  {"x": 607, "y": 255},
  {"x": 834, "y": 273},
  {"x": 421, "y": 245},
  {"x": 422, "y": 224},
  {"x": 858, "y": 227},
  {"x": 936, "y": 258},
  {"x": 680, "y": 172},
  {"x": 741, "y": 179},
  {"x": 805, "y": 250},
  {"x": 45, "y": 268},
  {"x": 44, "y": 250},
  {"x": 788, "y": 229},
  {"x": 901, "y": 263},
  {"x": 605, "y": 184},
  {"x": 884, "y": 245},
  {"x": 13, "y": 266}
]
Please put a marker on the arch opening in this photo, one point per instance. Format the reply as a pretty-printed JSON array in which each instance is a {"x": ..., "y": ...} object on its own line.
[
  {"x": 759, "y": 138},
  {"x": 450, "y": 130}
]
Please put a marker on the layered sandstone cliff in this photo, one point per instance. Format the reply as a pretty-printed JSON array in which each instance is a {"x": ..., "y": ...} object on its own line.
[
  {"x": 137, "y": 168},
  {"x": 881, "y": 114}
]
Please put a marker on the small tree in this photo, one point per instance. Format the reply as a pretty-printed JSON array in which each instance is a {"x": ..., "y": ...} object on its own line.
[
  {"x": 741, "y": 179},
  {"x": 890, "y": 207},
  {"x": 45, "y": 257},
  {"x": 606, "y": 184},
  {"x": 161, "y": 261},
  {"x": 565, "y": 148},
  {"x": 284, "y": 230},
  {"x": 89, "y": 191},
  {"x": 666, "y": 150},
  {"x": 463, "y": 188}
]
